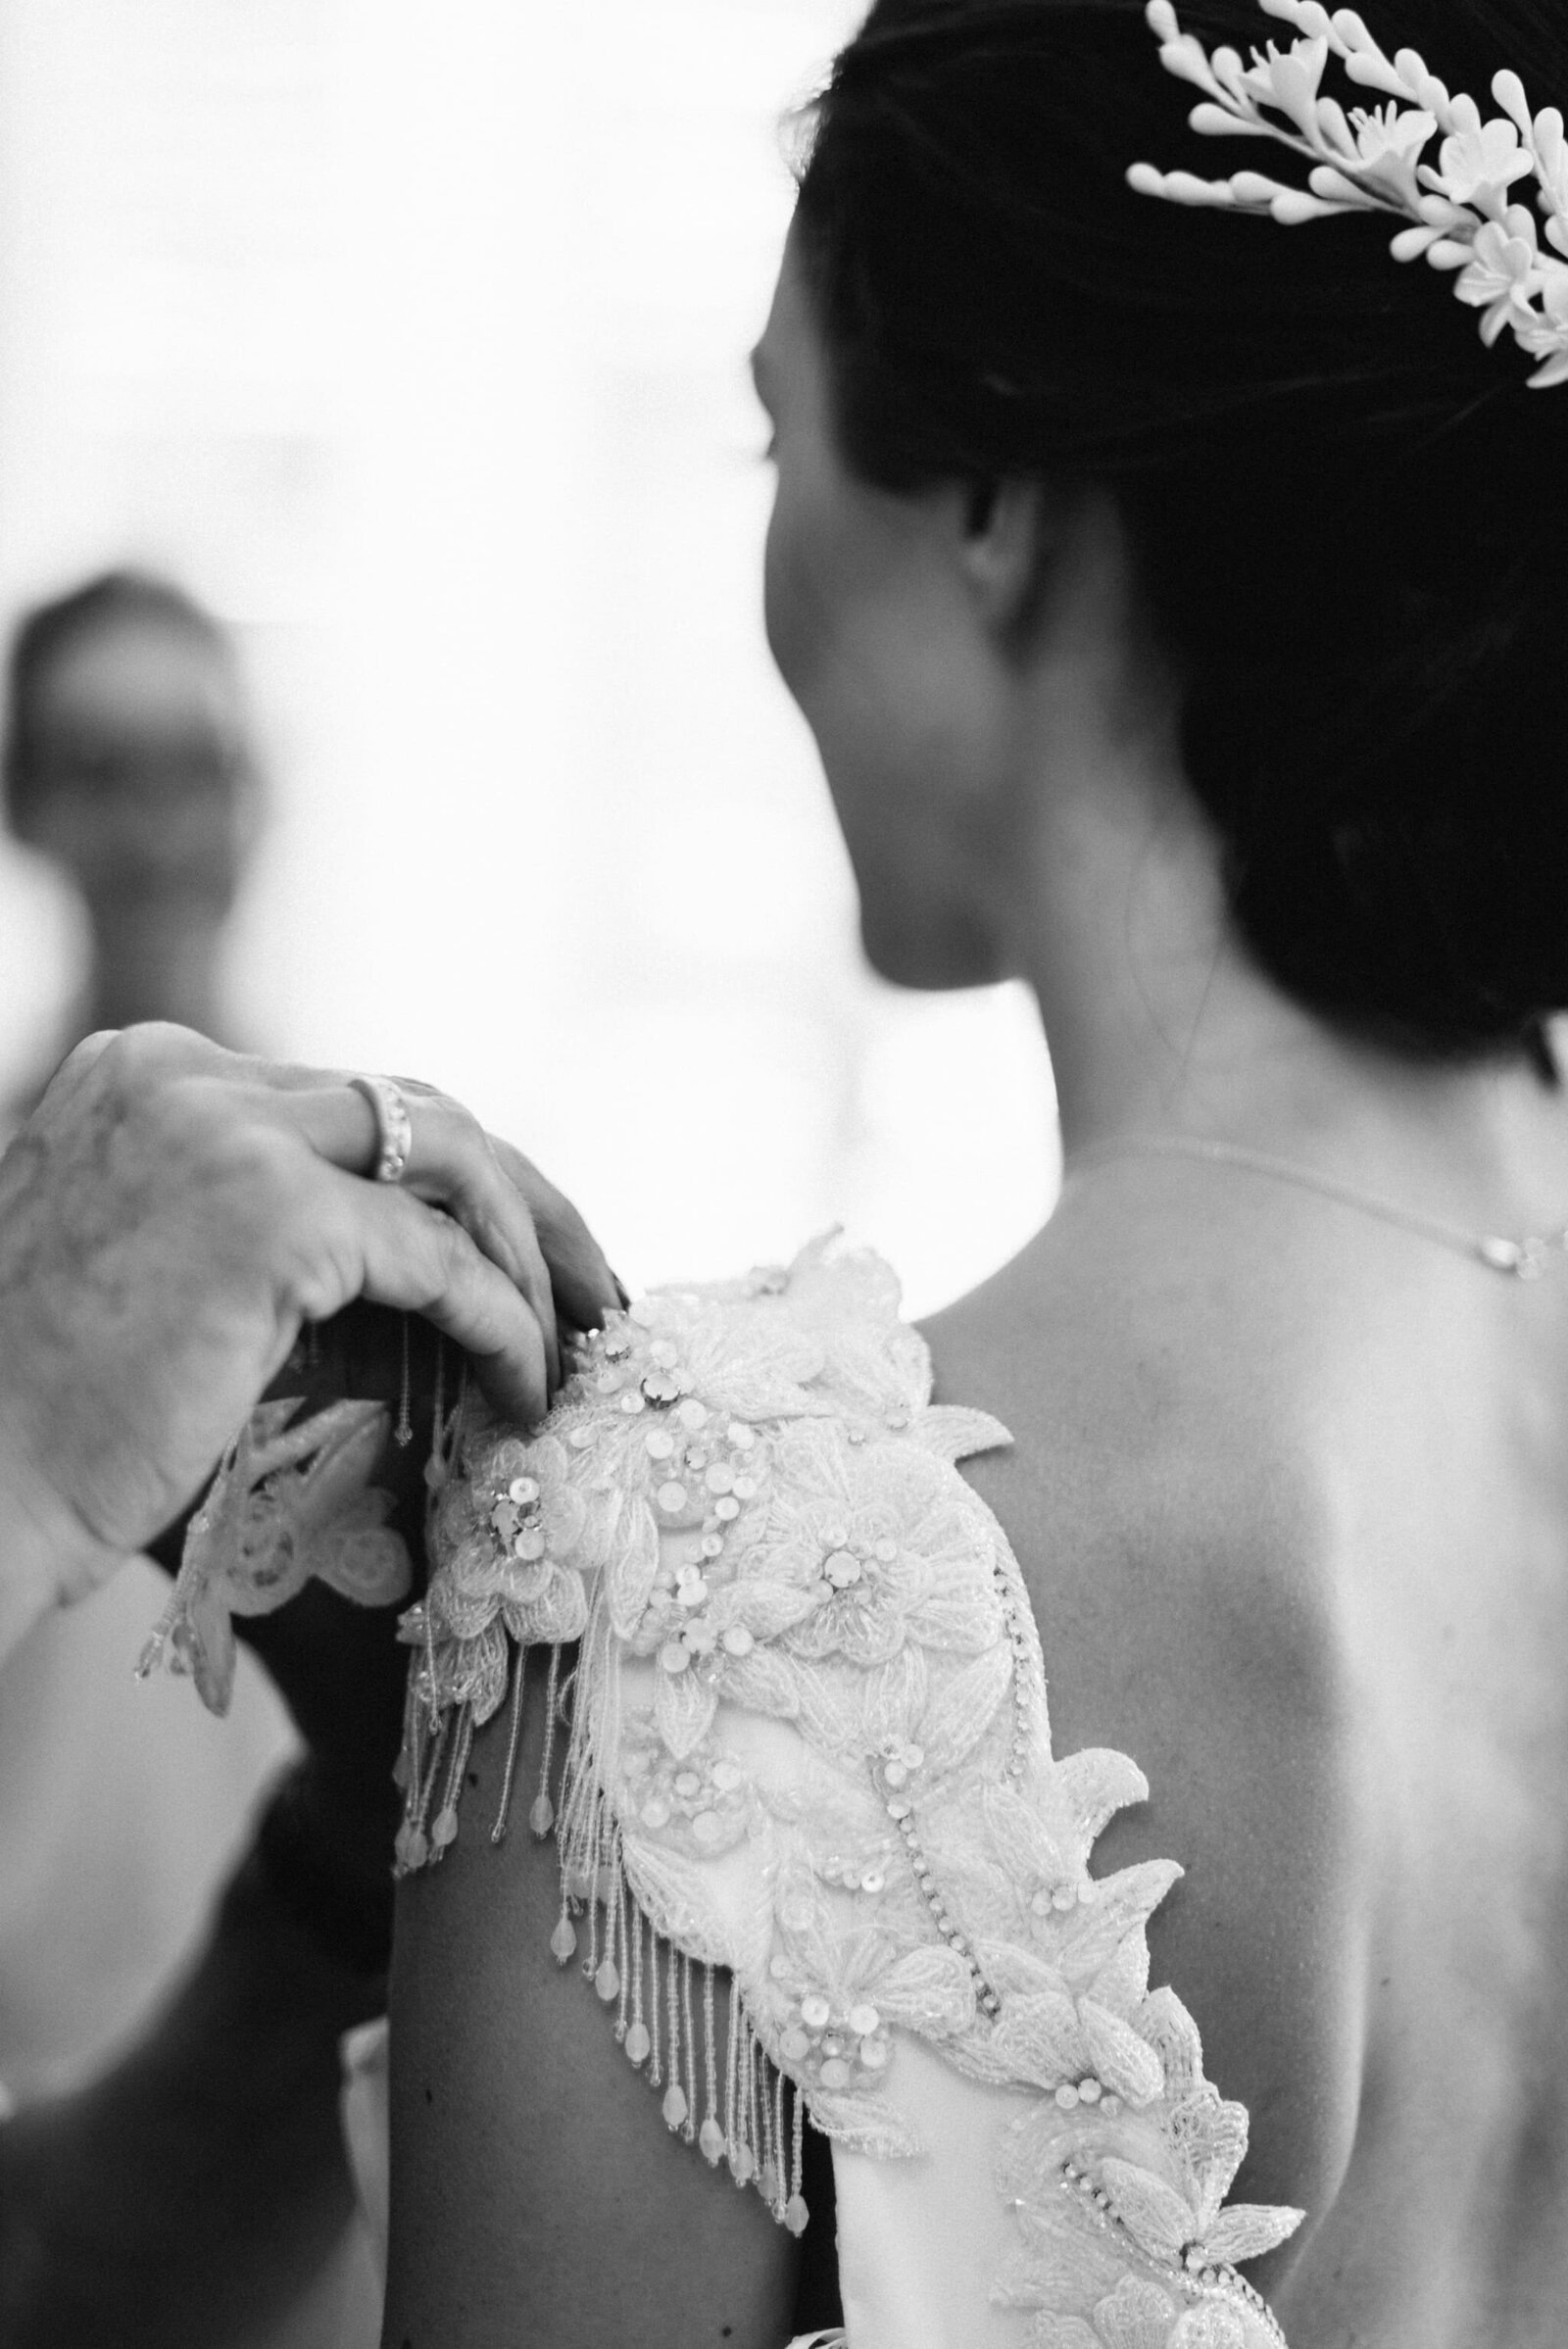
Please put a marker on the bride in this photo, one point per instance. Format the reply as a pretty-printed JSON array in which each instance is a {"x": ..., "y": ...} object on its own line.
[{"x": 1175, "y": 603}]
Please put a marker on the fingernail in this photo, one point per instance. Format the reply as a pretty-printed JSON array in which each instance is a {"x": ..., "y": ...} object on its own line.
[{"x": 622, "y": 1291}]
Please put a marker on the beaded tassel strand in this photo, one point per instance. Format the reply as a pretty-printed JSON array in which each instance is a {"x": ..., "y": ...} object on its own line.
[
  {"x": 542, "y": 1814},
  {"x": 498, "y": 1832},
  {"x": 711, "y": 2137},
  {"x": 637, "y": 2041},
  {"x": 675, "y": 2105}
]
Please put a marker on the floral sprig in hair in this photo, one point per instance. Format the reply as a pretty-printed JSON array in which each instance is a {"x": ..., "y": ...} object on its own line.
[{"x": 1459, "y": 212}]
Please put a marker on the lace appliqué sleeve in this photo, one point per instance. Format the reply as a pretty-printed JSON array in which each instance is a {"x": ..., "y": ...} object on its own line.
[
  {"x": 287, "y": 1502},
  {"x": 810, "y": 1744}
]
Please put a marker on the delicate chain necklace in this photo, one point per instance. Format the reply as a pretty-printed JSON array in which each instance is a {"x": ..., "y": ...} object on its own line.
[{"x": 1523, "y": 1259}]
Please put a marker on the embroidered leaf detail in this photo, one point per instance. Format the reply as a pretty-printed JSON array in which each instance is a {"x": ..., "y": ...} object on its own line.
[
  {"x": 286, "y": 1502},
  {"x": 1208, "y": 2326},
  {"x": 1249, "y": 2228},
  {"x": 1121, "y": 2060},
  {"x": 954, "y": 1434},
  {"x": 558, "y": 1615},
  {"x": 204, "y": 1644},
  {"x": 1155, "y": 2215},
  {"x": 683, "y": 1710},
  {"x": 1039, "y": 2039},
  {"x": 1210, "y": 2140},
  {"x": 473, "y": 1672},
  {"x": 891, "y": 1696},
  {"x": 1121, "y": 1901},
  {"x": 366, "y": 1562},
  {"x": 1028, "y": 2171},
  {"x": 1096, "y": 1784},
  {"x": 1049, "y": 2332},
  {"x": 1166, "y": 2024},
  {"x": 1029, "y": 1854},
  {"x": 931, "y": 1992},
  {"x": 606, "y": 1514},
  {"x": 763, "y": 1681},
  {"x": 961, "y": 1712},
  {"x": 332, "y": 1497},
  {"x": 565, "y": 1509},
  {"x": 765, "y": 1608},
  {"x": 1137, "y": 2315},
  {"x": 1011, "y": 1971},
  {"x": 863, "y": 2123},
  {"x": 677, "y": 1896},
  {"x": 633, "y": 1564},
  {"x": 827, "y": 1703},
  {"x": 847, "y": 1711},
  {"x": 1123, "y": 1984},
  {"x": 802, "y": 1910},
  {"x": 959, "y": 1614},
  {"x": 754, "y": 1366}
]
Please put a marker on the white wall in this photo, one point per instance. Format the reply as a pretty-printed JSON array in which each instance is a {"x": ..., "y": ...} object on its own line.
[{"x": 413, "y": 338}]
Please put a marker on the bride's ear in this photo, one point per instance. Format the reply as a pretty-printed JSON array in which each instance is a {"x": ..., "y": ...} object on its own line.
[{"x": 1011, "y": 528}]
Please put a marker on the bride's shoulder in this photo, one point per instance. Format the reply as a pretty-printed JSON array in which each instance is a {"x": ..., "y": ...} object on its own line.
[
  {"x": 1161, "y": 1481},
  {"x": 810, "y": 1740},
  {"x": 1171, "y": 1468},
  {"x": 1177, "y": 1529}
]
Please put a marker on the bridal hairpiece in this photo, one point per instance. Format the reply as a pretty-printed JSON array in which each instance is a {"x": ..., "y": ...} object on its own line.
[{"x": 1458, "y": 211}]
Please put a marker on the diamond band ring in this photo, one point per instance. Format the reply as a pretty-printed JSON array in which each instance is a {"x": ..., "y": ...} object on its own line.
[{"x": 394, "y": 1130}]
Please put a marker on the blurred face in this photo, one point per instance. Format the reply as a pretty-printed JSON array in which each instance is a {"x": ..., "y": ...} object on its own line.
[
  {"x": 876, "y": 631},
  {"x": 143, "y": 791}
]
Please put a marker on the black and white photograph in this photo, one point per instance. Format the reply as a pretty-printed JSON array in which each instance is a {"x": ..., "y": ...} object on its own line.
[{"x": 783, "y": 1174}]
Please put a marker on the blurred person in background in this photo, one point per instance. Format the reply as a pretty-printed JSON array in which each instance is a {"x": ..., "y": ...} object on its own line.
[{"x": 127, "y": 767}]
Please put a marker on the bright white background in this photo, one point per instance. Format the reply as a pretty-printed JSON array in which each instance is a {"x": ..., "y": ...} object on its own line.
[{"x": 413, "y": 338}]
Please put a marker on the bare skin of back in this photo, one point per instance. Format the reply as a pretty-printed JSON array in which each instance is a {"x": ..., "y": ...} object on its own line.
[{"x": 1289, "y": 1490}]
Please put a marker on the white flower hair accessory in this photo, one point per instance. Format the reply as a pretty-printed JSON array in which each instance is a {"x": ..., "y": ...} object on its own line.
[{"x": 1459, "y": 212}]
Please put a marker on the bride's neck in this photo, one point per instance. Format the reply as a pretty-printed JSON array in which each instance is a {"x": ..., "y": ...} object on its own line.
[{"x": 1159, "y": 1020}]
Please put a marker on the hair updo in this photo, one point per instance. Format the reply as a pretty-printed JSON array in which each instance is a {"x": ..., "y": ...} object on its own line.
[{"x": 1347, "y": 516}]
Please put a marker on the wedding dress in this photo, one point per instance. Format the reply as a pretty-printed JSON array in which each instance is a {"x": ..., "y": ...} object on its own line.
[{"x": 809, "y": 1745}]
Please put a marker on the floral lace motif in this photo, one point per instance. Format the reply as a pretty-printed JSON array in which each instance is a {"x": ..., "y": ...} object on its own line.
[
  {"x": 287, "y": 1502},
  {"x": 806, "y": 1652}
]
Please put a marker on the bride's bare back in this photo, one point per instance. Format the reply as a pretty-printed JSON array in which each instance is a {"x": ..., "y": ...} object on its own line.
[{"x": 1291, "y": 1492}]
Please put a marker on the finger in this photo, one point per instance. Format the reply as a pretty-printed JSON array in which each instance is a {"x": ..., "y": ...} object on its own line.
[
  {"x": 378, "y": 1243},
  {"x": 451, "y": 1164},
  {"x": 82, "y": 1058},
  {"x": 61, "y": 1097},
  {"x": 160, "y": 1050},
  {"x": 154, "y": 1050},
  {"x": 125, "y": 1065},
  {"x": 92, "y": 1062},
  {"x": 586, "y": 1290}
]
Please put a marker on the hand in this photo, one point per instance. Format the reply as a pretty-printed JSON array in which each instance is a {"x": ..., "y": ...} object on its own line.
[{"x": 169, "y": 1215}]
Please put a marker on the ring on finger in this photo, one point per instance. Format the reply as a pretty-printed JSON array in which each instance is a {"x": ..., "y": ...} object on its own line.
[{"x": 394, "y": 1128}]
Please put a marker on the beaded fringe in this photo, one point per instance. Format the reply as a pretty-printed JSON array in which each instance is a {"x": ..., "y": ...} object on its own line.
[{"x": 665, "y": 2003}]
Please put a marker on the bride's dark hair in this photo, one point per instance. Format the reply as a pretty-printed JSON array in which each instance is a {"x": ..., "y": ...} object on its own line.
[{"x": 1347, "y": 516}]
